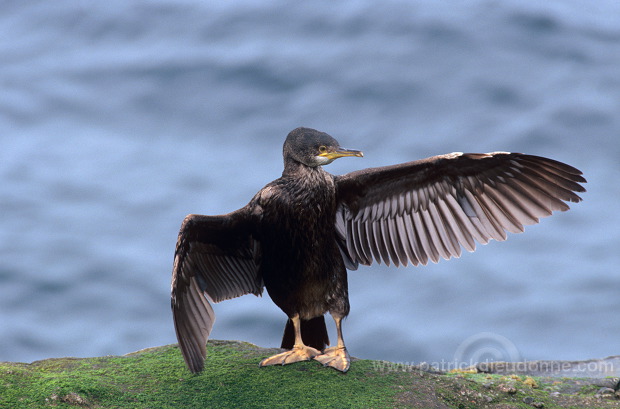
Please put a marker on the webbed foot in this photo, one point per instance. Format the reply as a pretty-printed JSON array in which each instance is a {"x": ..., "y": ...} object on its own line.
[
  {"x": 297, "y": 354},
  {"x": 336, "y": 357}
]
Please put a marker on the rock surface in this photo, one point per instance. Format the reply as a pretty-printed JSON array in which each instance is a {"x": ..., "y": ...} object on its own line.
[{"x": 592, "y": 368}]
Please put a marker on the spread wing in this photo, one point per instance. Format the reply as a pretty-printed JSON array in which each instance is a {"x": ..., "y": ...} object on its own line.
[
  {"x": 216, "y": 259},
  {"x": 429, "y": 209}
]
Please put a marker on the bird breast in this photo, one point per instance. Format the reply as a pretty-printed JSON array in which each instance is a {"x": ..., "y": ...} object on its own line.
[{"x": 299, "y": 210}]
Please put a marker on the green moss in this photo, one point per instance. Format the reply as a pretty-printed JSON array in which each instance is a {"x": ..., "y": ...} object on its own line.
[{"x": 157, "y": 378}]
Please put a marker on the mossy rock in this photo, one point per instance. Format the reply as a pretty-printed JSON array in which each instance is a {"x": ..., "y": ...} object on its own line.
[{"x": 157, "y": 378}]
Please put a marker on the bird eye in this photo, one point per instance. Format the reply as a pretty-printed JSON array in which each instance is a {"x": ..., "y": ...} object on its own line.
[{"x": 322, "y": 148}]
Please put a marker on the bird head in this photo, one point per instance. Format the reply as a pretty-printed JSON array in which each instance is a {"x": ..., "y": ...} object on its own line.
[{"x": 313, "y": 148}]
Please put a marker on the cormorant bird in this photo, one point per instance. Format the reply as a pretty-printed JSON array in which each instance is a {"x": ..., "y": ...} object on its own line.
[{"x": 299, "y": 234}]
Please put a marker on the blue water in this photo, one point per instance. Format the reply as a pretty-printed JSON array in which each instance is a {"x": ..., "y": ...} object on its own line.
[{"x": 120, "y": 117}]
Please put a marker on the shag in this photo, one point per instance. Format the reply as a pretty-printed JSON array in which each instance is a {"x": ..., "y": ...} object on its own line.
[{"x": 300, "y": 233}]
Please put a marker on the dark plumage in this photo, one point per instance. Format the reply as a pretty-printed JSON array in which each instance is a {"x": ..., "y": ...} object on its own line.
[{"x": 299, "y": 234}]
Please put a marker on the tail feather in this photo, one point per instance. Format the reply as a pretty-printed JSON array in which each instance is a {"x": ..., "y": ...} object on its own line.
[{"x": 313, "y": 333}]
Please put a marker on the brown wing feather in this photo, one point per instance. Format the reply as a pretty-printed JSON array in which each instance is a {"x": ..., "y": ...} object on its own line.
[
  {"x": 429, "y": 209},
  {"x": 216, "y": 259}
]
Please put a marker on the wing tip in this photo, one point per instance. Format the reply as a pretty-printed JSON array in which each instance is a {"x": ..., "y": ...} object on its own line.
[{"x": 196, "y": 366}]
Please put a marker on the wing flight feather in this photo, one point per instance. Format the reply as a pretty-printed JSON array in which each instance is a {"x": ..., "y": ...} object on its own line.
[
  {"x": 432, "y": 208},
  {"x": 216, "y": 259}
]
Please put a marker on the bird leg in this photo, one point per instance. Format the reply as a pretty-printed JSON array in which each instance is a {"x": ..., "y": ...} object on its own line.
[
  {"x": 337, "y": 357},
  {"x": 300, "y": 352}
]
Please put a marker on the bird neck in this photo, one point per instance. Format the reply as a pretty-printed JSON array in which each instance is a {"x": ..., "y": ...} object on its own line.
[
  {"x": 295, "y": 169},
  {"x": 305, "y": 177}
]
